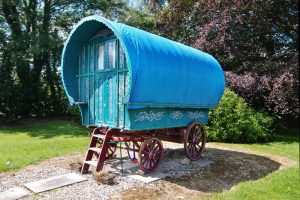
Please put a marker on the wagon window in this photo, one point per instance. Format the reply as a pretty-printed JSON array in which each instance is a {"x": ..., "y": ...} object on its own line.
[
  {"x": 111, "y": 55},
  {"x": 101, "y": 57}
]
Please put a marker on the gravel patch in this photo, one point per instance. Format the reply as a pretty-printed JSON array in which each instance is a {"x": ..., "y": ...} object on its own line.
[{"x": 89, "y": 189}]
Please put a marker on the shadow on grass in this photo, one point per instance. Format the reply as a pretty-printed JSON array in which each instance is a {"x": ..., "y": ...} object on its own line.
[
  {"x": 228, "y": 169},
  {"x": 48, "y": 129}
]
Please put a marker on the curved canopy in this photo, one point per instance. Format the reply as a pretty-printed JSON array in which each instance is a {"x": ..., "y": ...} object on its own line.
[{"x": 163, "y": 73}]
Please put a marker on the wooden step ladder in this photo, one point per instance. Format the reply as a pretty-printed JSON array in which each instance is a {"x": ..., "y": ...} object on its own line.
[{"x": 102, "y": 151}]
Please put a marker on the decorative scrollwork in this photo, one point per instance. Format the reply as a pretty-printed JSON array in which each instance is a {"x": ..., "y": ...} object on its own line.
[
  {"x": 149, "y": 116},
  {"x": 196, "y": 114},
  {"x": 176, "y": 115}
]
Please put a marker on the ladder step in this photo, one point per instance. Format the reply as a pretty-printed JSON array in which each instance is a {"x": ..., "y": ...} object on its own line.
[
  {"x": 91, "y": 162},
  {"x": 95, "y": 149},
  {"x": 99, "y": 136}
]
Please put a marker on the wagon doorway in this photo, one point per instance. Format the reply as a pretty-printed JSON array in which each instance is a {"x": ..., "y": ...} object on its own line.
[{"x": 102, "y": 75}]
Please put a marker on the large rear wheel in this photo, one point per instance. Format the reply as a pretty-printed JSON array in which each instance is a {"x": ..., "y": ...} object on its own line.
[{"x": 194, "y": 141}]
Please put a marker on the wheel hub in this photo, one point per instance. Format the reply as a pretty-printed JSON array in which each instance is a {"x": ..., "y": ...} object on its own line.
[
  {"x": 151, "y": 155},
  {"x": 195, "y": 140}
]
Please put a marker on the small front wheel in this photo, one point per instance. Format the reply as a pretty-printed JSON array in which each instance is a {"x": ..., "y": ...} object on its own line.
[{"x": 150, "y": 154}]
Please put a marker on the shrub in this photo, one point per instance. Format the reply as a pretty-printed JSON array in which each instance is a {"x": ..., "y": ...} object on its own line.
[
  {"x": 276, "y": 92},
  {"x": 234, "y": 121}
]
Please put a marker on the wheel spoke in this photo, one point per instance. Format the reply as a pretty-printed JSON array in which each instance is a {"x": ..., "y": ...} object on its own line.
[
  {"x": 152, "y": 163},
  {"x": 194, "y": 151},
  {"x": 157, "y": 146},
  {"x": 148, "y": 164},
  {"x": 145, "y": 160},
  {"x": 189, "y": 147},
  {"x": 195, "y": 132},
  {"x": 191, "y": 152},
  {"x": 197, "y": 150},
  {"x": 147, "y": 148}
]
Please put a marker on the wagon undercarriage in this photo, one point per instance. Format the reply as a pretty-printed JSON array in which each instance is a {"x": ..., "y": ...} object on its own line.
[{"x": 143, "y": 147}]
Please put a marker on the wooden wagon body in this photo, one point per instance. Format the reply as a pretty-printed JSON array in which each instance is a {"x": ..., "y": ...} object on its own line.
[{"x": 128, "y": 80}]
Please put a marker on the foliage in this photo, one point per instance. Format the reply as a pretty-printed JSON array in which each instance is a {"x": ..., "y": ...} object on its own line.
[
  {"x": 279, "y": 94},
  {"x": 247, "y": 37},
  {"x": 141, "y": 19},
  {"x": 31, "y": 40},
  {"x": 234, "y": 121},
  {"x": 236, "y": 32},
  {"x": 39, "y": 142}
]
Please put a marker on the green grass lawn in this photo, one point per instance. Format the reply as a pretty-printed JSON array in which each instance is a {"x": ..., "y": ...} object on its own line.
[
  {"x": 282, "y": 184},
  {"x": 25, "y": 145}
]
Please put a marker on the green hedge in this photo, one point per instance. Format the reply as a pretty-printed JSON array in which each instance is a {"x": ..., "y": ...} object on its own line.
[{"x": 234, "y": 121}]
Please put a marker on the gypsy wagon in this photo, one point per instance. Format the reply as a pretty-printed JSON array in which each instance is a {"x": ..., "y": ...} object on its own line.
[{"x": 138, "y": 88}]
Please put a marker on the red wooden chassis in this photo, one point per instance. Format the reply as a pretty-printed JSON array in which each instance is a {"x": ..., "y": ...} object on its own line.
[{"x": 146, "y": 145}]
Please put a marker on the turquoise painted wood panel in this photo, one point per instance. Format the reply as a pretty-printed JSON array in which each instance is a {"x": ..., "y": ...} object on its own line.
[
  {"x": 99, "y": 100},
  {"x": 98, "y": 81},
  {"x": 155, "y": 118},
  {"x": 121, "y": 106}
]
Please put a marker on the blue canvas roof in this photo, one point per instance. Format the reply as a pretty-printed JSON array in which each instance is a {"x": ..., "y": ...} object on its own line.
[{"x": 163, "y": 73}]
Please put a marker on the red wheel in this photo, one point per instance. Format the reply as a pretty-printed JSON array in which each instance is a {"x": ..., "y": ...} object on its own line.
[
  {"x": 132, "y": 150},
  {"x": 150, "y": 154},
  {"x": 112, "y": 147},
  {"x": 194, "y": 142}
]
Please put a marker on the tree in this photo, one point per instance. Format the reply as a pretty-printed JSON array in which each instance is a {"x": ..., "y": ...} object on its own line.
[{"x": 31, "y": 38}]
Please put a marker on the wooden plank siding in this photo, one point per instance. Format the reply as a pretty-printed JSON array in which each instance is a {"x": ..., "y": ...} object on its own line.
[{"x": 102, "y": 88}]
